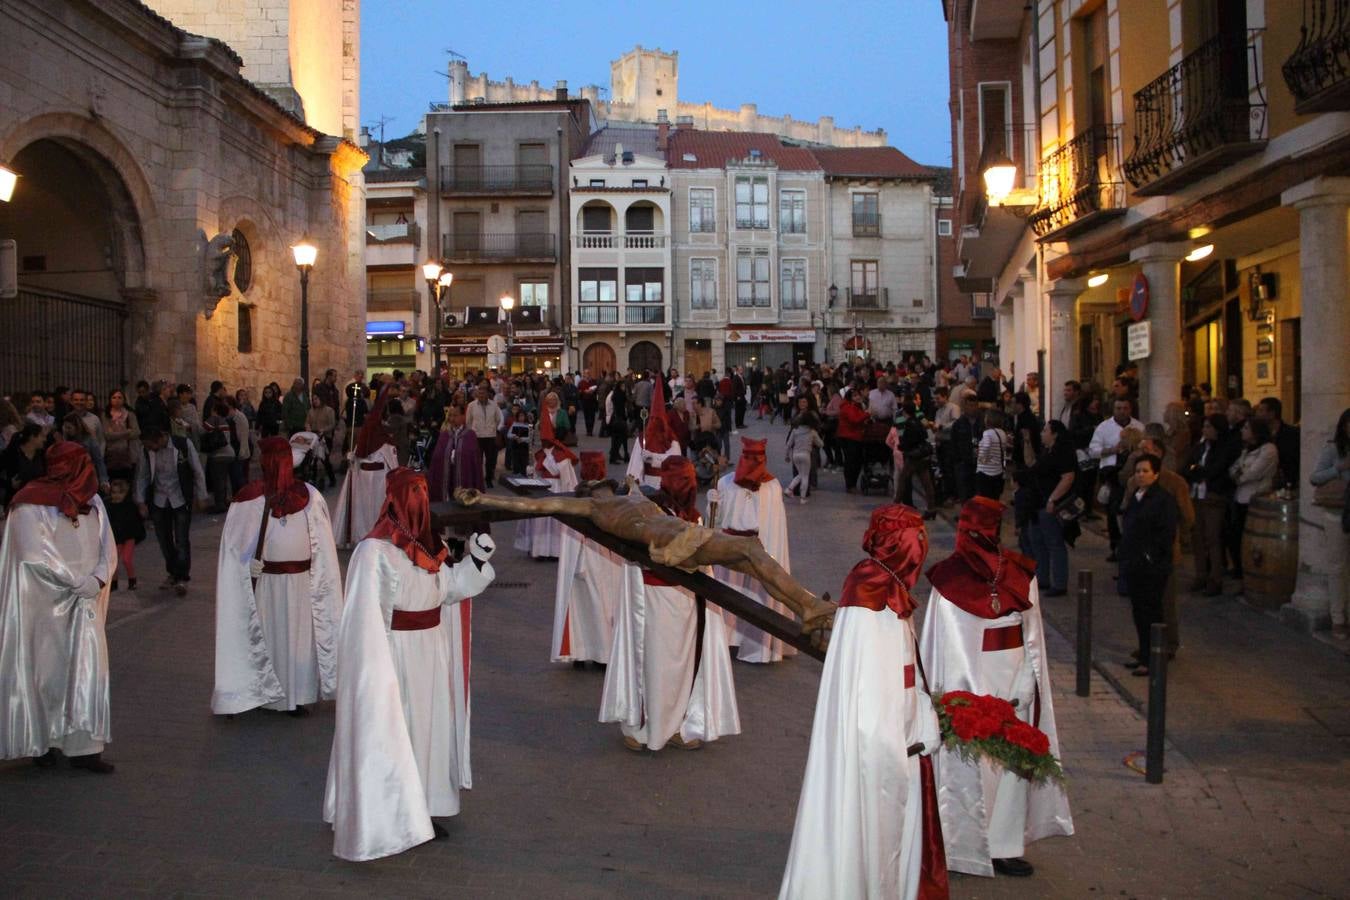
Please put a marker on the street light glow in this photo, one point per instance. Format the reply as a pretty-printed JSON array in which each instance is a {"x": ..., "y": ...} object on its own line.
[
  {"x": 1200, "y": 253},
  {"x": 1098, "y": 280},
  {"x": 305, "y": 253},
  {"x": 508, "y": 302},
  {"x": 431, "y": 270},
  {"x": 8, "y": 178},
  {"x": 445, "y": 280},
  {"x": 998, "y": 178}
]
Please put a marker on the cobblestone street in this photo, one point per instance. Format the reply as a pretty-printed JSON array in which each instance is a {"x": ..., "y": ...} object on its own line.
[{"x": 1256, "y": 801}]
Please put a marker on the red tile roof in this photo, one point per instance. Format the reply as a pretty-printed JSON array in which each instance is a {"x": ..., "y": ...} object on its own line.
[
  {"x": 714, "y": 149},
  {"x": 875, "y": 162}
]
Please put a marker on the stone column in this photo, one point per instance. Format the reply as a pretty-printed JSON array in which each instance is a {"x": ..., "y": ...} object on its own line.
[
  {"x": 1005, "y": 334},
  {"x": 1062, "y": 360},
  {"x": 1324, "y": 274},
  {"x": 1160, "y": 373}
]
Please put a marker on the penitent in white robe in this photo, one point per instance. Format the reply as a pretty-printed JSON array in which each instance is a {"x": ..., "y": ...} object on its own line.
[
  {"x": 761, "y": 512},
  {"x": 53, "y": 650},
  {"x": 859, "y": 830},
  {"x": 400, "y": 747},
  {"x": 585, "y": 599},
  {"x": 362, "y": 495},
  {"x": 541, "y": 537},
  {"x": 644, "y": 462},
  {"x": 651, "y": 686},
  {"x": 987, "y": 812},
  {"x": 276, "y": 643}
]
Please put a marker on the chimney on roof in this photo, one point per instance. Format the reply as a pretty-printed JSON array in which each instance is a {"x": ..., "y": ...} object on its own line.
[
  {"x": 560, "y": 89},
  {"x": 662, "y": 130},
  {"x": 684, "y": 122}
]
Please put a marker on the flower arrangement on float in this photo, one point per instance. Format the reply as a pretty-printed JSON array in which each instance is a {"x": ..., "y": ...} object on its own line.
[{"x": 978, "y": 726}]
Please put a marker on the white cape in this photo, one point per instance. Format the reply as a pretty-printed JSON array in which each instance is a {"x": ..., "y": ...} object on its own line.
[
  {"x": 53, "y": 650},
  {"x": 651, "y": 687},
  {"x": 541, "y": 537},
  {"x": 642, "y": 459},
  {"x": 276, "y": 646},
  {"x": 859, "y": 830},
  {"x": 396, "y": 758},
  {"x": 585, "y": 599},
  {"x": 362, "y": 496},
  {"x": 760, "y": 511},
  {"x": 989, "y": 813}
]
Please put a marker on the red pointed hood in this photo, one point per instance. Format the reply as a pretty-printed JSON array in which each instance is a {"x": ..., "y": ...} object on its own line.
[
  {"x": 69, "y": 485},
  {"x": 405, "y": 520},
  {"x": 680, "y": 483},
  {"x": 373, "y": 435},
  {"x": 593, "y": 465},
  {"x": 752, "y": 469},
  {"x": 896, "y": 543},
  {"x": 284, "y": 493},
  {"x": 658, "y": 434}
]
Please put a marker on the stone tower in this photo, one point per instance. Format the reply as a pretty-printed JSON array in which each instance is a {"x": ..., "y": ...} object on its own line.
[
  {"x": 643, "y": 81},
  {"x": 305, "y": 53}
]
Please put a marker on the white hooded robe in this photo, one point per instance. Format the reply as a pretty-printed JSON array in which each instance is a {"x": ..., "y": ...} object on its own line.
[
  {"x": 362, "y": 496},
  {"x": 762, "y": 512}
]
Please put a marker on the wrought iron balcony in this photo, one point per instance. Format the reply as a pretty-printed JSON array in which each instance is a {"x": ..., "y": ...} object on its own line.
[
  {"x": 1197, "y": 117},
  {"x": 1318, "y": 71},
  {"x": 878, "y": 298},
  {"x": 392, "y": 233},
  {"x": 981, "y": 306},
  {"x": 499, "y": 247},
  {"x": 644, "y": 314},
  {"x": 1080, "y": 185},
  {"x": 867, "y": 224},
  {"x": 391, "y": 300},
  {"x": 597, "y": 313},
  {"x": 532, "y": 180}
]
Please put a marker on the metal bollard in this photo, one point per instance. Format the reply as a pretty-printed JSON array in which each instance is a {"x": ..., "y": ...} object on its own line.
[
  {"x": 1084, "y": 632},
  {"x": 1157, "y": 703}
]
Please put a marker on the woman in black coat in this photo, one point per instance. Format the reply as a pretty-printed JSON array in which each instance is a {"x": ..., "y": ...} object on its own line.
[{"x": 1148, "y": 530}]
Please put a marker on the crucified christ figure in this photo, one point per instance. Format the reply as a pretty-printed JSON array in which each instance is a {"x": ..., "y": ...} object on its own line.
[{"x": 671, "y": 541}]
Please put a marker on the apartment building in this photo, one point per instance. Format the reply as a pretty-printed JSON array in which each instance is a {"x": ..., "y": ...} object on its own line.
[
  {"x": 620, "y": 202},
  {"x": 397, "y": 322},
  {"x": 1166, "y": 187}
]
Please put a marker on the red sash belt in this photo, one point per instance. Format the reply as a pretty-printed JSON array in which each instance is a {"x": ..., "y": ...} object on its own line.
[
  {"x": 742, "y": 532},
  {"x": 909, "y": 675},
  {"x": 285, "y": 567},
  {"x": 651, "y": 471},
  {"x": 420, "y": 620},
  {"x": 371, "y": 467},
  {"x": 1009, "y": 637},
  {"x": 654, "y": 580},
  {"x": 545, "y": 473}
]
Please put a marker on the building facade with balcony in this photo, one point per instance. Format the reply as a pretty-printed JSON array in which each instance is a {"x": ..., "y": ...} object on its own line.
[
  {"x": 1189, "y": 190},
  {"x": 496, "y": 211},
  {"x": 397, "y": 323},
  {"x": 620, "y": 202},
  {"x": 883, "y": 255},
  {"x": 750, "y": 254}
]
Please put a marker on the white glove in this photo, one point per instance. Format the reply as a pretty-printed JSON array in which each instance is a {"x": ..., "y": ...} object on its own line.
[
  {"x": 481, "y": 546},
  {"x": 255, "y": 568},
  {"x": 88, "y": 589},
  {"x": 714, "y": 496}
]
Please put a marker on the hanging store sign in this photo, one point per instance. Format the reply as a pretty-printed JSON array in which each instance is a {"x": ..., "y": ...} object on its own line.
[
  {"x": 1138, "y": 340},
  {"x": 385, "y": 327},
  {"x": 770, "y": 336}
]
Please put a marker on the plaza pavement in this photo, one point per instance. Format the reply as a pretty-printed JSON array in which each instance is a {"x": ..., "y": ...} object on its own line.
[{"x": 1256, "y": 801}]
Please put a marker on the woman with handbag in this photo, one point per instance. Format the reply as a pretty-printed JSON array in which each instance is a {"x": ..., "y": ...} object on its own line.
[
  {"x": 1148, "y": 531},
  {"x": 1331, "y": 483},
  {"x": 1052, "y": 479}
]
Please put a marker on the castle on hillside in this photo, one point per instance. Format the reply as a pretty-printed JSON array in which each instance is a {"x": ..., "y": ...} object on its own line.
[{"x": 644, "y": 82}]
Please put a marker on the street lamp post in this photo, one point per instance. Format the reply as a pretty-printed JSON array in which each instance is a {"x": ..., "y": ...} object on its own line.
[
  {"x": 305, "y": 253},
  {"x": 438, "y": 282},
  {"x": 833, "y": 294},
  {"x": 508, "y": 303}
]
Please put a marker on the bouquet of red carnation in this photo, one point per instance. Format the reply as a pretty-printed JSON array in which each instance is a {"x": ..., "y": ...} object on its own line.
[{"x": 978, "y": 726}]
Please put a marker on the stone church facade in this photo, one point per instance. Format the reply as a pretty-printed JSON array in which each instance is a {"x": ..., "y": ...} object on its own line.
[{"x": 160, "y": 192}]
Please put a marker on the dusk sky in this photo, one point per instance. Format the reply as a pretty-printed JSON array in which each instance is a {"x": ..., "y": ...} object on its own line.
[{"x": 868, "y": 63}]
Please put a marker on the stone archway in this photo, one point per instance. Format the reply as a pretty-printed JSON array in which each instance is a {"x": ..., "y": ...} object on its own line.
[{"x": 644, "y": 355}]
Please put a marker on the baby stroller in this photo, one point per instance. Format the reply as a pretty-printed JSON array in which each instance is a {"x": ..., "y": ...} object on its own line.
[
  {"x": 876, "y": 460},
  {"x": 706, "y": 466}
]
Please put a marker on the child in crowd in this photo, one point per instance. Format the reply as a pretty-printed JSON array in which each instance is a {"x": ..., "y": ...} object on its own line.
[
  {"x": 802, "y": 442},
  {"x": 128, "y": 528},
  {"x": 518, "y": 442}
]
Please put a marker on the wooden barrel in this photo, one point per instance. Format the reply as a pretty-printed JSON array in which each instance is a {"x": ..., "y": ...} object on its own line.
[{"x": 1270, "y": 551}]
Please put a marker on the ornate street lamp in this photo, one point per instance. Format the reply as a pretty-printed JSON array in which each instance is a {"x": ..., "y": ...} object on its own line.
[
  {"x": 305, "y": 254},
  {"x": 833, "y": 294},
  {"x": 438, "y": 281},
  {"x": 508, "y": 303},
  {"x": 8, "y": 178},
  {"x": 999, "y": 176}
]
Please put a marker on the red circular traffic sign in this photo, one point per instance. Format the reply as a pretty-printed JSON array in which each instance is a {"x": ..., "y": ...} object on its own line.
[{"x": 1139, "y": 298}]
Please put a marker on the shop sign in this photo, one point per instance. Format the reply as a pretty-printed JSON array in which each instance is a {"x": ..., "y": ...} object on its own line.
[
  {"x": 385, "y": 327},
  {"x": 774, "y": 336},
  {"x": 1138, "y": 340},
  {"x": 533, "y": 333}
]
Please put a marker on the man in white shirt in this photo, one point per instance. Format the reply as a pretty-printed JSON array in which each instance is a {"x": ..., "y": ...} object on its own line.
[
  {"x": 484, "y": 418},
  {"x": 168, "y": 481},
  {"x": 1107, "y": 446},
  {"x": 881, "y": 401}
]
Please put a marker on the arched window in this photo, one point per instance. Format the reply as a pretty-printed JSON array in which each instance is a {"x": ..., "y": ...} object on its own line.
[{"x": 243, "y": 262}]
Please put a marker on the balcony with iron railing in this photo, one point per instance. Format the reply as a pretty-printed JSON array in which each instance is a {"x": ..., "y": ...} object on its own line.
[
  {"x": 1318, "y": 71},
  {"x": 608, "y": 240},
  {"x": 1080, "y": 185},
  {"x": 982, "y": 307},
  {"x": 392, "y": 233},
  {"x": 866, "y": 224},
  {"x": 1198, "y": 117},
  {"x": 513, "y": 247},
  {"x": 391, "y": 300},
  {"x": 519, "y": 180},
  {"x": 877, "y": 298}
]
